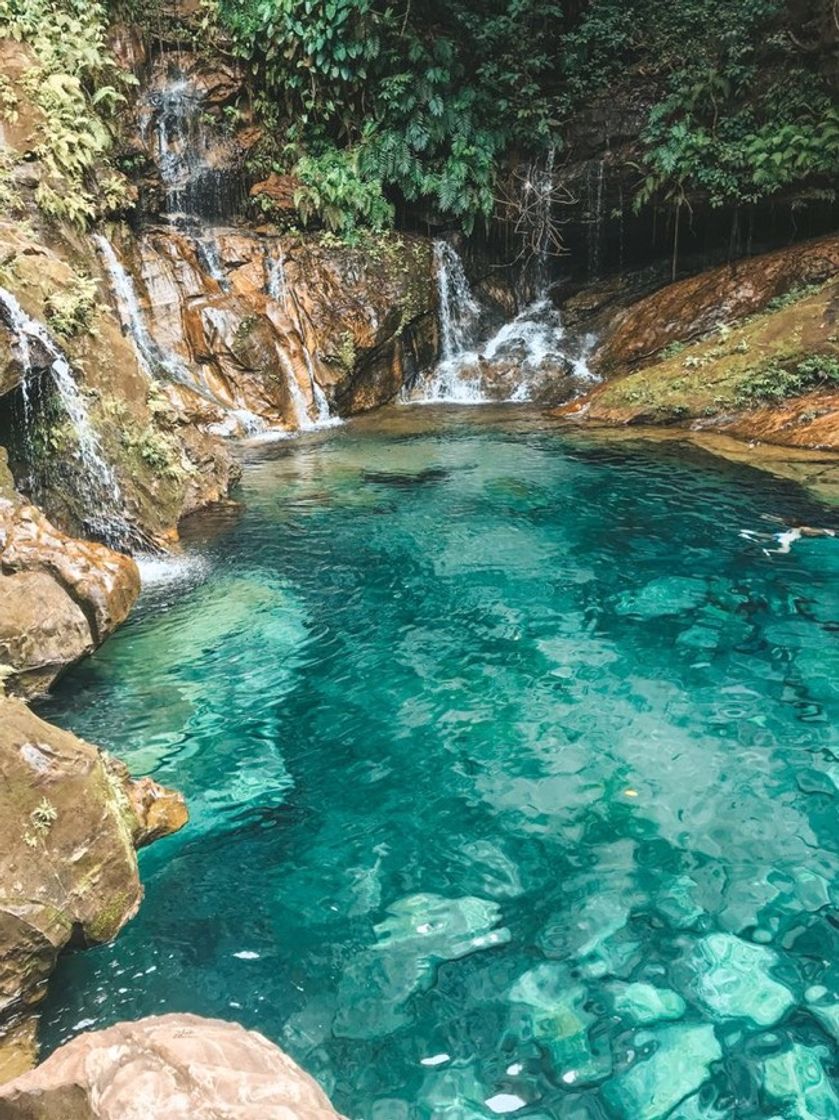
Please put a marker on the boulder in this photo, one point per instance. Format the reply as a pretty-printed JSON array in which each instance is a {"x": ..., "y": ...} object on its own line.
[
  {"x": 279, "y": 189},
  {"x": 692, "y": 307},
  {"x": 177, "y": 1067},
  {"x": 72, "y": 818},
  {"x": 59, "y": 597}
]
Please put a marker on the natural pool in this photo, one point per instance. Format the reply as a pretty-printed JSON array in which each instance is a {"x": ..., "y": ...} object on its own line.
[{"x": 513, "y": 775}]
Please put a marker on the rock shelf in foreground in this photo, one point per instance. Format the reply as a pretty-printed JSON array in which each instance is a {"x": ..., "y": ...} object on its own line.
[{"x": 177, "y": 1067}]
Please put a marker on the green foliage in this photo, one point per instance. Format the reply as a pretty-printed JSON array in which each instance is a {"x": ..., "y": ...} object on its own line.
[
  {"x": 70, "y": 310},
  {"x": 76, "y": 83},
  {"x": 774, "y": 381},
  {"x": 433, "y": 99},
  {"x": 332, "y": 190}
]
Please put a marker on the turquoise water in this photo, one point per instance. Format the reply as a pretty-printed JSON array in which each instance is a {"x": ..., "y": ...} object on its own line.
[{"x": 513, "y": 777}]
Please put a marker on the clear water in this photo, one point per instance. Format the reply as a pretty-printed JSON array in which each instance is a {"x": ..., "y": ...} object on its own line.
[{"x": 512, "y": 773}]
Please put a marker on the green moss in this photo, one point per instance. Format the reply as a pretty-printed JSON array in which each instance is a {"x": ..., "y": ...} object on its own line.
[{"x": 777, "y": 353}]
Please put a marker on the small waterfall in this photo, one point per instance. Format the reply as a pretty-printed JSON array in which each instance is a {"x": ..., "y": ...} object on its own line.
[
  {"x": 275, "y": 283},
  {"x": 96, "y": 476},
  {"x": 459, "y": 310},
  {"x": 198, "y": 166},
  {"x": 152, "y": 357},
  {"x": 459, "y": 317},
  {"x": 207, "y": 250},
  {"x": 544, "y": 187},
  {"x": 519, "y": 362},
  {"x": 595, "y": 232}
]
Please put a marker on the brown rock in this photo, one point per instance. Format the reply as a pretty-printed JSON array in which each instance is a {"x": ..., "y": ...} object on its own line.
[
  {"x": 689, "y": 308},
  {"x": 279, "y": 188},
  {"x": 59, "y": 597},
  {"x": 356, "y": 321},
  {"x": 67, "y": 865},
  {"x": 172, "y": 1067},
  {"x": 720, "y": 382}
]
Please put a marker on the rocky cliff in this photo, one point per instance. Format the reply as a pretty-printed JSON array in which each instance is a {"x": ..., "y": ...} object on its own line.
[
  {"x": 750, "y": 350},
  {"x": 72, "y": 818}
]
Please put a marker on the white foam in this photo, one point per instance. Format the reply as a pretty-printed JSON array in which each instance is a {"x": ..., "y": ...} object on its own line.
[{"x": 156, "y": 571}]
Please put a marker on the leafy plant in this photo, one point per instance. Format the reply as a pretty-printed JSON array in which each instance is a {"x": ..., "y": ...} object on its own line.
[
  {"x": 70, "y": 310},
  {"x": 332, "y": 191},
  {"x": 774, "y": 381},
  {"x": 78, "y": 86}
]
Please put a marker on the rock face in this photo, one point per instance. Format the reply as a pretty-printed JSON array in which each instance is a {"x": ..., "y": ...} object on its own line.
[
  {"x": 771, "y": 376},
  {"x": 165, "y": 466},
  {"x": 68, "y": 871},
  {"x": 180, "y": 1067},
  {"x": 59, "y": 597},
  {"x": 286, "y": 329},
  {"x": 692, "y": 307}
]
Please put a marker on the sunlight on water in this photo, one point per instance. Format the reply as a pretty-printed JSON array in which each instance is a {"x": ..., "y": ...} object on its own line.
[{"x": 512, "y": 776}]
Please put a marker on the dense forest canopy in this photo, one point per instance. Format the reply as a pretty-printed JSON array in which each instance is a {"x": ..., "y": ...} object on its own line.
[
  {"x": 429, "y": 104},
  {"x": 428, "y": 101}
]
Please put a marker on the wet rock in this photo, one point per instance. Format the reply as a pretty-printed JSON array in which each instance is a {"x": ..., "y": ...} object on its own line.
[
  {"x": 280, "y": 189},
  {"x": 694, "y": 306},
  {"x": 180, "y": 1067},
  {"x": 828, "y": 1015},
  {"x": 797, "y": 1081},
  {"x": 718, "y": 384},
  {"x": 282, "y": 327},
  {"x": 678, "y": 1063},
  {"x": 645, "y": 1004},
  {"x": 165, "y": 466},
  {"x": 59, "y": 597},
  {"x": 660, "y": 598},
  {"x": 731, "y": 980},
  {"x": 71, "y": 819}
]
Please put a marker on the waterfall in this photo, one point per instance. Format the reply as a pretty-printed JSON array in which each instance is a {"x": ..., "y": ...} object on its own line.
[
  {"x": 459, "y": 310},
  {"x": 544, "y": 186},
  {"x": 459, "y": 318},
  {"x": 595, "y": 206},
  {"x": 152, "y": 357},
  {"x": 519, "y": 362},
  {"x": 198, "y": 169},
  {"x": 208, "y": 254},
  {"x": 275, "y": 283},
  {"x": 96, "y": 476}
]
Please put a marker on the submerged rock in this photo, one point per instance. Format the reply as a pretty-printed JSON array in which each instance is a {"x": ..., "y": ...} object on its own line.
[
  {"x": 669, "y": 595},
  {"x": 644, "y": 1003},
  {"x": 731, "y": 980},
  {"x": 420, "y": 932},
  {"x": 71, "y": 817},
  {"x": 180, "y": 1067},
  {"x": 676, "y": 1067},
  {"x": 557, "y": 1020},
  {"x": 797, "y": 1081},
  {"x": 59, "y": 597}
]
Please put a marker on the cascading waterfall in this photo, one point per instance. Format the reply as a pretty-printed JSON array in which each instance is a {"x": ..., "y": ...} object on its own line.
[
  {"x": 276, "y": 288},
  {"x": 519, "y": 362},
  {"x": 152, "y": 357},
  {"x": 107, "y": 518}
]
